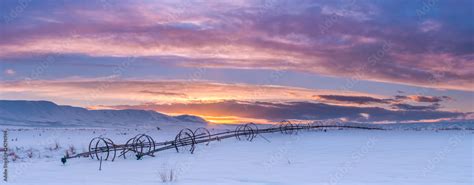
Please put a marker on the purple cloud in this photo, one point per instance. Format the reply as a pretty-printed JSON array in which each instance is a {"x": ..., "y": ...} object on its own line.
[
  {"x": 408, "y": 107},
  {"x": 297, "y": 110},
  {"x": 352, "y": 99},
  {"x": 378, "y": 41}
]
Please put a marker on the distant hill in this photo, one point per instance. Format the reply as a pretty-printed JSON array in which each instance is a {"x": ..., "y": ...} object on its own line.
[{"x": 49, "y": 114}]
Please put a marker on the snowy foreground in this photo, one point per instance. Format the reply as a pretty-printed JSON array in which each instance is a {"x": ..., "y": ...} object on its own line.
[{"x": 310, "y": 157}]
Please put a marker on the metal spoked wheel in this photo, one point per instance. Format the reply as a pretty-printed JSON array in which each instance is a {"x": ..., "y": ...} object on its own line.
[
  {"x": 185, "y": 141},
  {"x": 286, "y": 127},
  {"x": 102, "y": 149},
  {"x": 143, "y": 144},
  {"x": 202, "y": 134},
  {"x": 246, "y": 132},
  {"x": 139, "y": 145}
]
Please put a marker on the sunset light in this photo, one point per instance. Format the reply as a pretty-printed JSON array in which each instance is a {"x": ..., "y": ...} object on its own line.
[{"x": 328, "y": 91}]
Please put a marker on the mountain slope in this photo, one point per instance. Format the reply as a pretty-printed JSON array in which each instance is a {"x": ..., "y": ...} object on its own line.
[{"x": 45, "y": 113}]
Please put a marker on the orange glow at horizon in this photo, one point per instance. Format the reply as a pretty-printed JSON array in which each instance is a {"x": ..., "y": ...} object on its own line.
[
  {"x": 232, "y": 120},
  {"x": 210, "y": 119}
]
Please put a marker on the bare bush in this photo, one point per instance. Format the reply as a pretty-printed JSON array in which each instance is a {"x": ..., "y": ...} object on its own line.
[
  {"x": 13, "y": 156},
  {"x": 72, "y": 149},
  {"x": 55, "y": 146},
  {"x": 167, "y": 175},
  {"x": 29, "y": 153}
]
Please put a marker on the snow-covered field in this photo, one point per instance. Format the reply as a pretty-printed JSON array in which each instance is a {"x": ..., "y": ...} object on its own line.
[{"x": 310, "y": 157}]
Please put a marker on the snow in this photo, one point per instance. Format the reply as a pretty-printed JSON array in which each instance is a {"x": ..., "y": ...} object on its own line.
[
  {"x": 40, "y": 132},
  {"x": 310, "y": 157}
]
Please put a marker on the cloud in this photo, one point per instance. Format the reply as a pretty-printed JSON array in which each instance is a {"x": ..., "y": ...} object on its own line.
[
  {"x": 163, "y": 93},
  {"x": 403, "y": 106},
  {"x": 91, "y": 92},
  {"x": 423, "y": 99},
  {"x": 9, "y": 72},
  {"x": 429, "y": 99},
  {"x": 430, "y": 25},
  {"x": 352, "y": 99},
  {"x": 365, "y": 40},
  {"x": 225, "y": 102},
  {"x": 294, "y": 110}
]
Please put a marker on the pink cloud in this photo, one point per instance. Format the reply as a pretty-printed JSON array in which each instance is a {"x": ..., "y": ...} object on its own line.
[
  {"x": 9, "y": 72},
  {"x": 245, "y": 35}
]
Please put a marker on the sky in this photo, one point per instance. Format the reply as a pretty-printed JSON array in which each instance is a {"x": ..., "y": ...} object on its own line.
[{"x": 245, "y": 60}]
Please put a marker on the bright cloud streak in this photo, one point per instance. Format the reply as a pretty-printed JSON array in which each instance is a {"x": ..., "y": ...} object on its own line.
[{"x": 163, "y": 92}]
